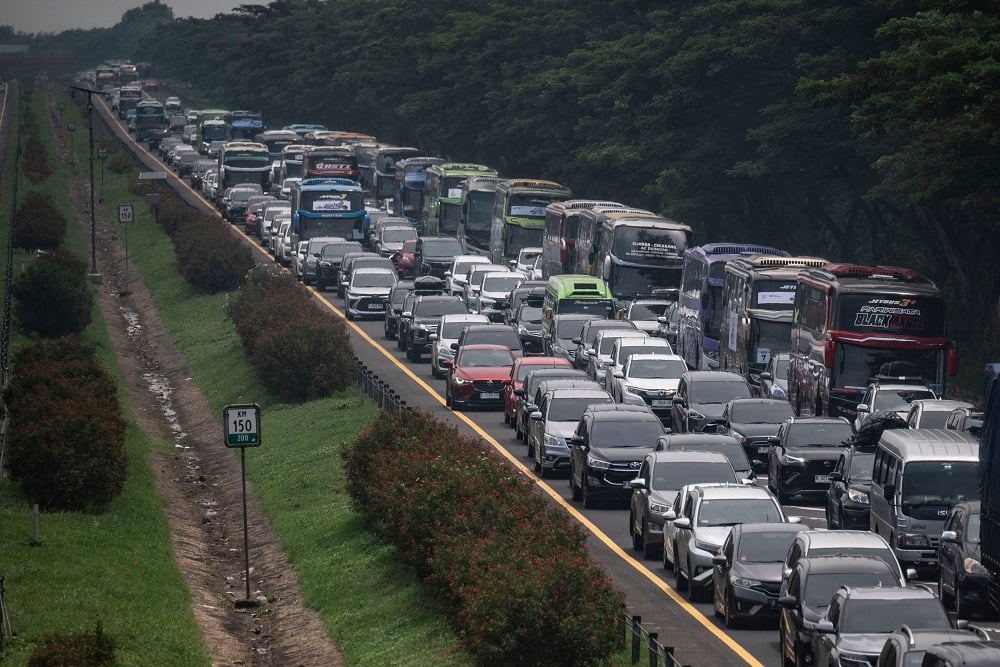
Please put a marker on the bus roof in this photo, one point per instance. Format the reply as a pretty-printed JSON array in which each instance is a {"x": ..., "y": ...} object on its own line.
[
  {"x": 726, "y": 251},
  {"x": 773, "y": 265},
  {"x": 857, "y": 278},
  {"x": 536, "y": 185},
  {"x": 481, "y": 183},
  {"x": 578, "y": 285},
  {"x": 341, "y": 184},
  {"x": 562, "y": 207}
]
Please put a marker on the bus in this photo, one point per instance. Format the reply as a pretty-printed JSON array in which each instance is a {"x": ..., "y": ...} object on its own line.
[
  {"x": 699, "y": 308},
  {"x": 443, "y": 194},
  {"x": 757, "y": 298},
  {"x": 573, "y": 293},
  {"x": 328, "y": 207},
  {"x": 852, "y": 323},
  {"x": 213, "y": 127},
  {"x": 150, "y": 122},
  {"x": 128, "y": 99},
  {"x": 519, "y": 215},
  {"x": 476, "y": 213},
  {"x": 383, "y": 183},
  {"x": 330, "y": 162},
  {"x": 276, "y": 140},
  {"x": 638, "y": 253},
  {"x": 411, "y": 173},
  {"x": 246, "y": 125},
  {"x": 243, "y": 162},
  {"x": 559, "y": 236}
]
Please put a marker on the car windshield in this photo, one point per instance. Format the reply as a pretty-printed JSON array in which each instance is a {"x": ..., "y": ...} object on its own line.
[
  {"x": 452, "y": 330},
  {"x": 608, "y": 342},
  {"x": 399, "y": 296},
  {"x": 657, "y": 369},
  {"x": 898, "y": 400},
  {"x": 647, "y": 311},
  {"x": 569, "y": 328},
  {"x": 718, "y": 392},
  {"x": 486, "y": 358},
  {"x": 733, "y": 451},
  {"x": 781, "y": 365},
  {"x": 862, "y": 464},
  {"x": 933, "y": 418},
  {"x": 373, "y": 280},
  {"x": 630, "y": 433},
  {"x": 507, "y": 338},
  {"x": 730, "y": 511},
  {"x": 972, "y": 530},
  {"x": 532, "y": 314},
  {"x": 672, "y": 476},
  {"x": 524, "y": 369},
  {"x": 334, "y": 250},
  {"x": 760, "y": 413},
  {"x": 884, "y": 616},
  {"x": 819, "y": 587},
  {"x": 630, "y": 347},
  {"x": 570, "y": 409},
  {"x": 502, "y": 283},
  {"x": 462, "y": 268},
  {"x": 409, "y": 246},
  {"x": 764, "y": 547},
  {"x": 940, "y": 482},
  {"x": 441, "y": 247},
  {"x": 398, "y": 235},
  {"x": 804, "y": 434},
  {"x": 438, "y": 308}
]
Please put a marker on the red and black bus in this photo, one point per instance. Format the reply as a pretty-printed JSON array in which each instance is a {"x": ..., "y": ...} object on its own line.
[{"x": 852, "y": 324}]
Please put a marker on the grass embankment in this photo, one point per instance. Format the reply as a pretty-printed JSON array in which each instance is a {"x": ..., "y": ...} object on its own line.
[
  {"x": 374, "y": 609},
  {"x": 116, "y": 565}
]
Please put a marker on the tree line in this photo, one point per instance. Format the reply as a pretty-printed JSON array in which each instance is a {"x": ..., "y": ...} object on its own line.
[{"x": 861, "y": 132}]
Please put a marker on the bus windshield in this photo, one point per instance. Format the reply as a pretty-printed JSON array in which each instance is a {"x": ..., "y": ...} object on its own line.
[
  {"x": 519, "y": 237},
  {"x": 213, "y": 133},
  {"x": 768, "y": 338},
  {"x": 632, "y": 280},
  {"x": 854, "y": 365},
  {"x": 450, "y": 214},
  {"x": 479, "y": 209}
]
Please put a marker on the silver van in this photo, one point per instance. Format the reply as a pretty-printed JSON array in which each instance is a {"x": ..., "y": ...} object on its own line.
[{"x": 918, "y": 476}]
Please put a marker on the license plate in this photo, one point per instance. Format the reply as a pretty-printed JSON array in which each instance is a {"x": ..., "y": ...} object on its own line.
[
  {"x": 763, "y": 449},
  {"x": 822, "y": 479},
  {"x": 487, "y": 395},
  {"x": 660, "y": 403},
  {"x": 376, "y": 306}
]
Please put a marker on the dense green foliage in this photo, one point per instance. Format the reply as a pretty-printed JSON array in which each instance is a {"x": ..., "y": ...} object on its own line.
[
  {"x": 860, "y": 132},
  {"x": 53, "y": 297},
  {"x": 513, "y": 571},
  {"x": 38, "y": 224}
]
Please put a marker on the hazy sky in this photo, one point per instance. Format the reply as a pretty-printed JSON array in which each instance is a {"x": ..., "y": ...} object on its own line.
[{"x": 59, "y": 15}]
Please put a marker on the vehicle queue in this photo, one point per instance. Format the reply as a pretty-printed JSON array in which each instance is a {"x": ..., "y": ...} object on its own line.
[{"x": 703, "y": 389}]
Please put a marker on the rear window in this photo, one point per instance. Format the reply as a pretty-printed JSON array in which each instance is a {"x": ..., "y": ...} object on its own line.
[
  {"x": 437, "y": 308},
  {"x": 802, "y": 434},
  {"x": 631, "y": 433},
  {"x": 672, "y": 476}
]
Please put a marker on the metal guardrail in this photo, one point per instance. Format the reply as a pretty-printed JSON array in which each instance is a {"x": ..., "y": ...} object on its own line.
[
  {"x": 641, "y": 640},
  {"x": 379, "y": 391}
]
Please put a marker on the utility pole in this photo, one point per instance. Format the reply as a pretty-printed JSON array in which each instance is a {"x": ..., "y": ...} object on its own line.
[{"x": 94, "y": 276}]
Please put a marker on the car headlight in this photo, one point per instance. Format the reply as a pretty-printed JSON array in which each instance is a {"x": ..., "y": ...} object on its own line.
[
  {"x": 629, "y": 389},
  {"x": 445, "y": 351},
  {"x": 554, "y": 441},
  {"x": 743, "y": 582},
  {"x": 559, "y": 350},
  {"x": 706, "y": 546},
  {"x": 461, "y": 380},
  {"x": 598, "y": 464},
  {"x": 778, "y": 392},
  {"x": 973, "y": 566},
  {"x": 658, "y": 508},
  {"x": 522, "y": 330},
  {"x": 910, "y": 540},
  {"x": 793, "y": 459},
  {"x": 859, "y": 497}
]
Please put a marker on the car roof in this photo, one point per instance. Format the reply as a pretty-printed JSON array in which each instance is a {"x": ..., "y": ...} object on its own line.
[
  {"x": 688, "y": 456},
  {"x": 485, "y": 346},
  {"x": 751, "y": 528},
  {"x": 884, "y": 593},
  {"x": 939, "y": 404},
  {"x": 559, "y": 362},
  {"x": 688, "y": 439},
  {"x": 843, "y": 564},
  {"x": 757, "y": 401},
  {"x": 503, "y": 274},
  {"x": 746, "y": 491},
  {"x": 490, "y": 327},
  {"x": 712, "y": 376},
  {"x": 365, "y": 270},
  {"x": 848, "y": 539},
  {"x": 576, "y": 392},
  {"x": 465, "y": 317},
  {"x": 621, "y": 412},
  {"x": 817, "y": 420},
  {"x": 644, "y": 356}
]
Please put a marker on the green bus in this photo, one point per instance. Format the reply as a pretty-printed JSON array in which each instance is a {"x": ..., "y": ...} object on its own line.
[
  {"x": 576, "y": 293},
  {"x": 443, "y": 194}
]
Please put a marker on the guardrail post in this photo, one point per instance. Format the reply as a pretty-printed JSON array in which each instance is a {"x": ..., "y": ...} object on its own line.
[
  {"x": 653, "y": 646},
  {"x": 636, "y": 634},
  {"x": 361, "y": 382},
  {"x": 668, "y": 652}
]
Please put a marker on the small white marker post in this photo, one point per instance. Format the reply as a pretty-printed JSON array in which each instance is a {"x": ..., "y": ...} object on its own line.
[
  {"x": 241, "y": 424},
  {"x": 126, "y": 214}
]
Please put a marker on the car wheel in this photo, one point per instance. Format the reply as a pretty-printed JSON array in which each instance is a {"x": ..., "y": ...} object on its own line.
[
  {"x": 536, "y": 464},
  {"x": 506, "y": 417},
  {"x": 401, "y": 342},
  {"x": 544, "y": 472},
  {"x": 447, "y": 397},
  {"x": 943, "y": 595},
  {"x": 434, "y": 372},
  {"x": 692, "y": 588},
  {"x": 349, "y": 316},
  {"x": 785, "y": 662},
  {"x": 649, "y": 551},
  {"x": 800, "y": 658},
  {"x": 588, "y": 498},
  {"x": 826, "y": 515},
  {"x": 637, "y": 541},
  {"x": 682, "y": 582},
  {"x": 531, "y": 447},
  {"x": 518, "y": 433},
  {"x": 962, "y": 610},
  {"x": 667, "y": 565},
  {"x": 841, "y": 520},
  {"x": 732, "y": 620},
  {"x": 575, "y": 491},
  {"x": 414, "y": 354}
]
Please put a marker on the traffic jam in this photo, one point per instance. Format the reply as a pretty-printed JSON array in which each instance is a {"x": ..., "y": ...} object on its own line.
[{"x": 762, "y": 445}]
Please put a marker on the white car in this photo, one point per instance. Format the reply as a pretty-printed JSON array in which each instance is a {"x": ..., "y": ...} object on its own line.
[
  {"x": 650, "y": 379},
  {"x": 286, "y": 187},
  {"x": 495, "y": 292},
  {"x": 284, "y": 224},
  {"x": 525, "y": 261},
  {"x": 892, "y": 396},
  {"x": 448, "y": 331},
  {"x": 299, "y": 259},
  {"x": 599, "y": 356},
  {"x": 457, "y": 275},
  {"x": 367, "y": 292},
  {"x": 645, "y": 313},
  {"x": 623, "y": 348},
  {"x": 474, "y": 282}
]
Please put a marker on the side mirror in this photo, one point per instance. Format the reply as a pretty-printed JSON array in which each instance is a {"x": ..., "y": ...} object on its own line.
[
  {"x": 576, "y": 340},
  {"x": 710, "y": 428},
  {"x": 683, "y": 523},
  {"x": 720, "y": 560},
  {"x": 863, "y": 407},
  {"x": 591, "y": 352},
  {"x": 793, "y": 519},
  {"x": 949, "y": 536},
  {"x": 512, "y": 263},
  {"x": 766, "y": 376},
  {"x": 619, "y": 375},
  {"x": 576, "y": 440},
  {"x": 344, "y": 283},
  {"x": 678, "y": 401},
  {"x": 530, "y": 407},
  {"x": 407, "y": 313},
  {"x": 661, "y": 319},
  {"x": 836, "y": 476},
  {"x": 536, "y": 416},
  {"x": 519, "y": 392},
  {"x": 773, "y": 440},
  {"x": 454, "y": 346},
  {"x": 911, "y": 573},
  {"x": 637, "y": 483},
  {"x": 447, "y": 274},
  {"x": 788, "y": 602},
  {"x": 432, "y": 337},
  {"x": 826, "y": 627},
  {"x": 670, "y": 515},
  {"x": 889, "y": 492}
]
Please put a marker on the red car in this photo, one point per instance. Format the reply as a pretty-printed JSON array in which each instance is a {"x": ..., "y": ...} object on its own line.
[
  {"x": 516, "y": 380},
  {"x": 478, "y": 376},
  {"x": 404, "y": 259}
]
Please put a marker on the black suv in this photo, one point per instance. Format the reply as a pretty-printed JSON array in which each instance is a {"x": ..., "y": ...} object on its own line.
[
  {"x": 395, "y": 307},
  {"x": 588, "y": 335},
  {"x": 434, "y": 254},
  {"x": 422, "y": 320},
  {"x": 559, "y": 332},
  {"x": 962, "y": 579},
  {"x": 847, "y": 500},
  {"x": 529, "y": 290},
  {"x": 752, "y": 421},
  {"x": 527, "y": 321},
  {"x": 607, "y": 449},
  {"x": 803, "y": 455},
  {"x": 490, "y": 334},
  {"x": 329, "y": 259},
  {"x": 701, "y": 398}
]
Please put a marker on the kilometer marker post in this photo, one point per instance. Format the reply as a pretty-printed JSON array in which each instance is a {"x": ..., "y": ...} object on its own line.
[{"x": 241, "y": 424}]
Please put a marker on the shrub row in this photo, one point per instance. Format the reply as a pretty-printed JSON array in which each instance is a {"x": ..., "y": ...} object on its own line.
[
  {"x": 513, "y": 571},
  {"x": 52, "y": 296},
  {"x": 298, "y": 352},
  {"x": 35, "y": 160},
  {"x": 38, "y": 224},
  {"x": 66, "y": 443}
]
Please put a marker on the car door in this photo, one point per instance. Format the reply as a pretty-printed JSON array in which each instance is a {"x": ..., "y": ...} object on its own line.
[
  {"x": 682, "y": 536},
  {"x": 791, "y": 617},
  {"x": 777, "y": 449},
  {"x": 838, "y": 488},
  {"x": 949, "y": 553},
  {"x": 679, "y": 409},
  {"x": 639, "y": 502},
  {"x": 720, "y": 575},
  {"x": 824, "y": 642},
  {"x": 578, "y": 451}
]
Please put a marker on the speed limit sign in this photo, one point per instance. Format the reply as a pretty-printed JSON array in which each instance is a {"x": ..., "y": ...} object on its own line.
[{"x": 125, "y": 213}]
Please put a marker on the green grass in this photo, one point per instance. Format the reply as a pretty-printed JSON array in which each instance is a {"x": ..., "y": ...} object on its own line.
[
  {"x": 373, "y": 608},
  {"x": 116, "y": 565}
]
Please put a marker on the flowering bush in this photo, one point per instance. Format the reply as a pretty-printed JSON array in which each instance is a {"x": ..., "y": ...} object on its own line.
[{"x": 513, "y": 570}]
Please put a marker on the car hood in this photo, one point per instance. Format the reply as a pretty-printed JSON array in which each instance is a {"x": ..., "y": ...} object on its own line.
[
  {"x": 619, "y": 454},
  {"x": 767, "y": 572},
  {"x": 663, "y": 496},
  {"x": 710, "y": 410},
  {"x": 484, "y": 373},
  {"x": 530, "y": 326},
  {"x": 870, "y": 643},
  {"x": 647, "y": 384},
  {"x": 712, "y": 534},
  {"x": 370, "y": 291},
  {"x": 646, "y": 325},
  {"x": 821, "y": 453},
  {"x": 389, "y": 245},
  {"x": 753, "y": 430},
  {"x": 560, "y": 429}
]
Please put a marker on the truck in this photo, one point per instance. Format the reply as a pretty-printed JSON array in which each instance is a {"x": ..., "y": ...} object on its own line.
[
  {"x": 328, "y": 207},
  {"x": 989, "y": 494}
]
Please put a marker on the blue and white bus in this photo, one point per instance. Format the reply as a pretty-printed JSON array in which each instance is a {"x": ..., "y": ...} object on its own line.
[{"x": 700, "y": 309}]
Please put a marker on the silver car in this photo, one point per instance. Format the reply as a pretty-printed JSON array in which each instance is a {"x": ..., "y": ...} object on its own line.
[{"x": 449, "y": 329}]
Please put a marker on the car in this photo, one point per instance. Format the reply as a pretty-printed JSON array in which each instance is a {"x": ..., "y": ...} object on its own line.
[
  {"x": 963, "y": 582},
  {"x": 367, "y": 292},
  {"x": 624, "y": 347},
  {"x": 404, "y": 259},
  {"x": 525, "y": 261},
  {"x": 564, "y": 328},
  {"x": 328, "y": 262},
  {"x": 655, "y": 489},
  {"x": 365, "y": 260},
  {"x": 906, "y": 646},
  {"x": 892, "y": 394},
  {"x": 701, "y": 398},
  {"x": 433, "y": 255},
  {"x": 458, "y": 272},
  {"x": 270, "y": 212},
  {"x": 847, "y": 499},
  {"x": 280, "y": 237},
  {"x": 524, "y": 396},
  {"x": 803, "y": 455},
  {"x": 395, "y": 307},
  {"x": 753, "y": 421},
  {"x": 528, "y": 290},
  {"x": 806, "y": 593},
  {"x": 307, "y": 263},
  {"x": 299, "y": 259},
  {"x": 477, "y": 377},
  {"x": 518, "y": 373},
  {"x": 645, "y": 312},
  {"x": 817, "y": 542},
  {"x": 962, "y": 654},
  {"x": 236, "y": 199},
  {"x": 527, "y": 322},
  {"x": 585, "y": 339},
  {"x": 546, "y": 384},
  {"x": 649, "y": 379},
  {"x": 607, "y": 448},
  {"x": 285, "y": 191},
  {"x": 704, "y": 523},
  {"x": 932, "y": 412},
  {"x": 966, "y": 420},
  {"x": 422, "y": 321},
  {"x": 496, "y": 334},
  {"x": 391, "y": 238},
  {"x": 668, "y": 324},
  {"x": 493, "y": 293},
  {"x": 774, "y": 377},
  {"x": 599, "y": 356},
  {"x": 746, "y": 575},
  {"x": 448, "y": 330},
  {"x": 852, "y": 631},
  {"x": 712, "y": 442},
  {"x": 474, "y": 279},
  {"x": 172, "y": 103},
  {"x": 554, "y": 422}
]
